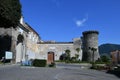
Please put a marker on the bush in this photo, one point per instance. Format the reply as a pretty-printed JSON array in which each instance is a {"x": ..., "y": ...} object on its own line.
[
  {"x": 104, "y": 58},
  {"x": 52, "y": 65},
  {"x": 73, "y": 59},
  {"x": 39, "y": 63}
]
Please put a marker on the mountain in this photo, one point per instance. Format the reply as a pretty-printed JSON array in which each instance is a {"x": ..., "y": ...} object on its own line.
[{"x": 105, "y": 49}]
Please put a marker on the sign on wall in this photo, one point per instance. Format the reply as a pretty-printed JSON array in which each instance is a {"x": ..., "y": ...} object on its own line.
[{"x": 8, "y": 55}]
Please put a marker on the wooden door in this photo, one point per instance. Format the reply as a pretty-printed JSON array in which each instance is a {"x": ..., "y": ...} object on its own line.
[{"x": 50, "y": 57}]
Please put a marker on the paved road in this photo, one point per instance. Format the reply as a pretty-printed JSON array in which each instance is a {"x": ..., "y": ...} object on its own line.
[
  {"x": 73, "y": 66},
  {"x": 15, "y": 72}
]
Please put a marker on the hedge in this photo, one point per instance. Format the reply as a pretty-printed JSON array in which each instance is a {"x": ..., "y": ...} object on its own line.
[{"x": 39, "y": 63}]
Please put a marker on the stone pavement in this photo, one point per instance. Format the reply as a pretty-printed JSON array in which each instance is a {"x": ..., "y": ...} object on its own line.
[
  {"x": 85, "y": 75},
  {"x": 16, "y": 72},
  {"x": 73, "y": 66}
]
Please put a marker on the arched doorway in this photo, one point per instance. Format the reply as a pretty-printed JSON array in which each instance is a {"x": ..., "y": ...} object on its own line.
[
  {"x": 19, "y": 48},
  {"x": 50, "y": 58}
]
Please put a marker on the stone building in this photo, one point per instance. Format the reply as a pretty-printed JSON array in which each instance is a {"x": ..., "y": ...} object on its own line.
[
  {"x": 115, "y": 55},
  {"x": 52, "y": 50},
  {"x": 32, "y": 40},
  {"x": 5, "y": 40},
  {"x": 18, "y": 40}
]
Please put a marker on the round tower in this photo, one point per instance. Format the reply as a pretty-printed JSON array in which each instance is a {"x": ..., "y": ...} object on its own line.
[{"x": 90, "y": 46}]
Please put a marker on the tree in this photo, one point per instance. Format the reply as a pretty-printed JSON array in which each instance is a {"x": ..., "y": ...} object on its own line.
[
  {"x": 77, "y": 55},
  {"x": 105, "y": 58},
  {"x": 93, "y": 50},
  {"x": 67, "y": 52},
  {"x": 78, "y": 50},
  {"x": 10, "y": 13},
  {"x": 93, "y": 55}
]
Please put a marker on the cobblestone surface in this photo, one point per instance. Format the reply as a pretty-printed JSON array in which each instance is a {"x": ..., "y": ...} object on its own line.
[{"x": 16, "y": 72}]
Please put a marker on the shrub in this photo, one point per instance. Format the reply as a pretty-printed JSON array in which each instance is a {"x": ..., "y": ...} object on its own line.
[
  {"x": 39, "y": 63},
  {"x": 73, "y": 59},
  {"x": 104, "y": 58},
  {"x": 52, "y": 65}
]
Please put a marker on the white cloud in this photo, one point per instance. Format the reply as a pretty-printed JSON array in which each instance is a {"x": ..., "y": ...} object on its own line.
[{"x": 80, "y": 23}]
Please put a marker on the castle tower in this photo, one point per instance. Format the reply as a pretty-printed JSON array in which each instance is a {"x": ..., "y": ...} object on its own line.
[{"x": 90, "y": 46}]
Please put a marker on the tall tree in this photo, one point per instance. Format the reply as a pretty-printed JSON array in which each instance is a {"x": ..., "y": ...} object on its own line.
[
  {"x": 77, "y": 55},
  {"x": 10, "y": 13},
  {"x": 67, "y": 52}
]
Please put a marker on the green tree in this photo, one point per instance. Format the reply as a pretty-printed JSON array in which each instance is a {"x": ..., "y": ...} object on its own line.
[
  {"x": 77, "y": 55},
  {"x": 104, "y": 58},
  {"x": 78, "y": 50},
  {"x": 67, "y": 52},
  {"x": 10, "y": 13},
  {"x": 93, "y": 54}
]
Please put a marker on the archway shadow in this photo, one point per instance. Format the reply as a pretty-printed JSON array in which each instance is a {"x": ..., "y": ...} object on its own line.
[{"x": 5, "y": 45}]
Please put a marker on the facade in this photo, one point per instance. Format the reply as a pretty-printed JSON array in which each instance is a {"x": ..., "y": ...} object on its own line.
[
  {"x": 29, "y": 47},
  {"x": 115, "y": 55},
  {"x": 21, "y": 41},
  {"x": 58, "y": 48},
  {"x": 32, "y": 43},
  {"x": 16, "y": 39}
]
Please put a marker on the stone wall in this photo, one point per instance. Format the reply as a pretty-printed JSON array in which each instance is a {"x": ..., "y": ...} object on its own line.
[{"x": 59, "y": 49}]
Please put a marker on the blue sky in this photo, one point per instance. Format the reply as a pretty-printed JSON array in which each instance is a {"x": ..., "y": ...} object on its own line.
[{"x": 63, "y": 20}]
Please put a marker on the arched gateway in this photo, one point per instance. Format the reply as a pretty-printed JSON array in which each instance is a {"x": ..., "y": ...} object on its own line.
[{"x": 20, "y": 48}]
